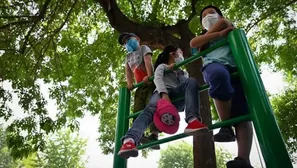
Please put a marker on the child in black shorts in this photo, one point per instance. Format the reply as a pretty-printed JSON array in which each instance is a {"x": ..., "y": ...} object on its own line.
[{"x": 226, "y": 92}]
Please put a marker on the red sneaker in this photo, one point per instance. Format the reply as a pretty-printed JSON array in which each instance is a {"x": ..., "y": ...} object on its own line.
[
  {"x": 195, "y": 126},
  {"x": 128, "y": 150}
]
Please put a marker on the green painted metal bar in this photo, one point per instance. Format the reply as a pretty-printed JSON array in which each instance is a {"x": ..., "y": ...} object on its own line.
[
  {"x": 269, "y": 136},
  {"x": 232, "y": 121},
  {"x": 211, "y": 127},
  {"x": 188, "y": 60},
  {"x": 201, "y": 89},
  {"x": 122, "y": 126}
]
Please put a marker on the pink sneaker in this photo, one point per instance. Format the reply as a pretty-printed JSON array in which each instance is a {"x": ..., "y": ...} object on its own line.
[
  {"x": 128, "y": 150},
  {"x": 194, "y": 127}
]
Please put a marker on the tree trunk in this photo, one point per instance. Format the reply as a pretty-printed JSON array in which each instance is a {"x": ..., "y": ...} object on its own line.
[{"x": 203, "y": 146}]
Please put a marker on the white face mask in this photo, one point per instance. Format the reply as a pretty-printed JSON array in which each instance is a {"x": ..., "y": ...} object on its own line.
[
  {"x": 209, "y": 20},
  {"x": 179, "y": 59}
]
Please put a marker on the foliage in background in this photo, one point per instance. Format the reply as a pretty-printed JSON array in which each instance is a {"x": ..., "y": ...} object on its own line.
[
  {"x": 285, "y": 106},
  {"x": 180, "y": 155},
  {"x": 72, "y": 46},
  {"x": 62, "y": 149}
]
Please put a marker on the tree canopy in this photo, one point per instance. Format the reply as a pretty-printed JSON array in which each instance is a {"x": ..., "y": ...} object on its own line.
[
  {"x": 62, "y": 149},
  {"x": 72, "y": 45},
  {"x": 285, "y": 106},
  {"x": 5, "y": 159}
]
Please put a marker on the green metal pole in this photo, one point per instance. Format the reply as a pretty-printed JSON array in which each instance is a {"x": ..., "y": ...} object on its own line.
[
  {"x": 211, "y": 127},
  {"x": 122, "y": 126},
  {"x": 269, "y": 136}
]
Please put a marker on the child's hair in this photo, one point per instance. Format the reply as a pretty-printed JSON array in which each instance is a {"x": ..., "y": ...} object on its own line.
[
  {"x": 205, "y": 46},
  {"x": 163, "y": 58},
  {"x": 210, "y": 6}
]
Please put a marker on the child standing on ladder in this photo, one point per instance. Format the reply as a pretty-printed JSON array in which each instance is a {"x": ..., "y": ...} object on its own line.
[
  {"x": 139, "y": 64},
  {"x": 168, "y": 85},
  {"x": 227, "y": 92}
]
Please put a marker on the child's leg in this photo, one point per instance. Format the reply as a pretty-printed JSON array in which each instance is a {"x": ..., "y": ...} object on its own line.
[
  {"x": 134, "y": 134},
  {"x": 139, "y": 104},
  {"x": 190, "y": 89},
  {"x": 221, "y": 90},
  {"x": 244, "y": 136},
  {"x": 151, "y": 87},
  {"x": 218, "y": 77},
  {"x": 144, "y": 119},
  {"x": 141, "y": 99},
  {"x": 223, "y": 108},
  {"x": 244, "y": 131},
  {"x": 154, "y": 132}
]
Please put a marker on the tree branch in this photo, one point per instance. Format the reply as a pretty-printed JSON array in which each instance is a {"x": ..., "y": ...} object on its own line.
[
  {"x": 155, "y": 37},
  {"x": 9, "y": 49},
  {"x": 18, "y": 16},
  {"x": 153, "y": 15},
  {"x": 39, "y": 60},
  {"x": 66, "y": 19},
  {"x": 133, "y": 8},
  {"x": 15, "y": 23},
  {"x": 57, "y": 68},
  {"x": 193, "y": 7},
  {"x": 266, "y": 15},
  {"x": 40, "y": 16}
]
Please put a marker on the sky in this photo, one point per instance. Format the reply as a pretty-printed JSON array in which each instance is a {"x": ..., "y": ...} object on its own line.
[{"x": 89, "y": 125}]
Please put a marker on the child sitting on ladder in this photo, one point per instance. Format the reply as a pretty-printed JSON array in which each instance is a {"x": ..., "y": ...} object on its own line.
[
  {"x": 139, "y": 64},
  {"x": 168, "y": 85},
  {"x": 227, "y": 92}
]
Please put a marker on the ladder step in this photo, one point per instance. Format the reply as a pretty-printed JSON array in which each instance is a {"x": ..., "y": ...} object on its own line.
[{"x": 211, "y": 127}]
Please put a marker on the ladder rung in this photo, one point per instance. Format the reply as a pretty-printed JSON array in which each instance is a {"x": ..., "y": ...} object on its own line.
[{"x": 211, "y": 127}]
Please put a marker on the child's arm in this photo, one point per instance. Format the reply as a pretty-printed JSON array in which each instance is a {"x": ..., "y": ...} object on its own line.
[
  {"x": 220, "y": 25},
  {"x": 129, "y": 77},
  {"x": 148, "y": 64},
  {"x": 159, "y": 82},
  {"x": 147, "y": 57},
  {"x": 203, "y": 39}
]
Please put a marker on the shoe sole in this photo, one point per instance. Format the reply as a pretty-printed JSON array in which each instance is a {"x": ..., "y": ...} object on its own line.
[
  {"x": 223, "y": 138},
  {"x": 234, "y": 164},
  {"x": 146, "y": 140},
  {"x": 199, "y": 131},
  {"x": 156, "y": 147},
  {"x": 128, "y": 153}
]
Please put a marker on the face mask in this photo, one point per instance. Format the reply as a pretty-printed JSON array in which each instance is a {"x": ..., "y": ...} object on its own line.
[
  {"x": 179, "y": 59},
  {"x": 209, "y": 20},
  {"x": 132, "y": 45}
]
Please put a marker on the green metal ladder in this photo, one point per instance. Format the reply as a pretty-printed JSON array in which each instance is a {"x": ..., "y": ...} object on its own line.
[{"x": 261, "y": 114}]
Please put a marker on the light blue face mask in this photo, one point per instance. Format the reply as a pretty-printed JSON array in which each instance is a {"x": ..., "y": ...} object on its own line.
[
  {"x": 132, "y": 45},
  {"x": 179, "y": 59}
]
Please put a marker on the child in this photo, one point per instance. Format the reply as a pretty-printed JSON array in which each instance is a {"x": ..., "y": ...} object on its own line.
[
  {"x": 168, "y": 85},
  {"x": 226, "y": 92},
  {"x": 139, "y": 64}
]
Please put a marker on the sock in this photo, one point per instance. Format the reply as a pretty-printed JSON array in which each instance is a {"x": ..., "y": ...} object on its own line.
[
  {"x": 192, "y": 119},
  {"x": 128, "y": 139}
]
